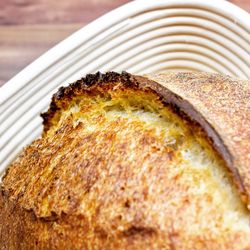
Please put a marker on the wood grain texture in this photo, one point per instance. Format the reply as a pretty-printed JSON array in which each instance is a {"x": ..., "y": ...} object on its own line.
[
  {"x": 28, "y": 28},
  {"x": 244, "y": 4},
  {"x": 20, "y": 45},
  {"x": 55, "y": 12}
]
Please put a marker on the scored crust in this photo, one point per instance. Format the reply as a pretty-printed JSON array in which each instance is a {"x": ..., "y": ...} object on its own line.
[
  {"x": 49, "y": 199},
  {"x": 219, "y": 104}
]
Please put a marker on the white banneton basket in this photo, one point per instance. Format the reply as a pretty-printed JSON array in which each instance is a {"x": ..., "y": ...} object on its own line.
[{"x": 141, "y": 36}]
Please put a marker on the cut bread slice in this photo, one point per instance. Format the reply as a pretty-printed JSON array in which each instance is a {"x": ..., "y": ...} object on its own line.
[{"x": 131, "y": 162}]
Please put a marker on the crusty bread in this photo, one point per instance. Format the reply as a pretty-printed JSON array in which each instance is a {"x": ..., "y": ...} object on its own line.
[{"x": 132, "y": 162}]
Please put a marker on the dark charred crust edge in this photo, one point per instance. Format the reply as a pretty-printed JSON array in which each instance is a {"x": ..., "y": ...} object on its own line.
[
  {"x": 184, "y": 108},
  {"x": 64, "y": 94}
]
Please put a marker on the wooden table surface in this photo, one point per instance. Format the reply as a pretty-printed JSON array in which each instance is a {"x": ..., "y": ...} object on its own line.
[{"x": 28, "y": 28}]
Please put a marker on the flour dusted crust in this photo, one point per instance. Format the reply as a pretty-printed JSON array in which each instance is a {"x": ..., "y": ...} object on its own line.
[
  {"x": 132, "y": 162},
  {"x": 223, "y": 104}
]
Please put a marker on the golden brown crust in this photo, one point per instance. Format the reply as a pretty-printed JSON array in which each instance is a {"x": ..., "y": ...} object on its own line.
[
  {"x": 25, "y": 231},
  {"x": 88, "y": 83},
  {"x": 221, "y": 104},
  {"x": 106, "y": 188}
]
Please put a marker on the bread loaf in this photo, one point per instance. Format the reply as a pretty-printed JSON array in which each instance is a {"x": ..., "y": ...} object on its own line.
[{"x": 159, "y": 161}]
